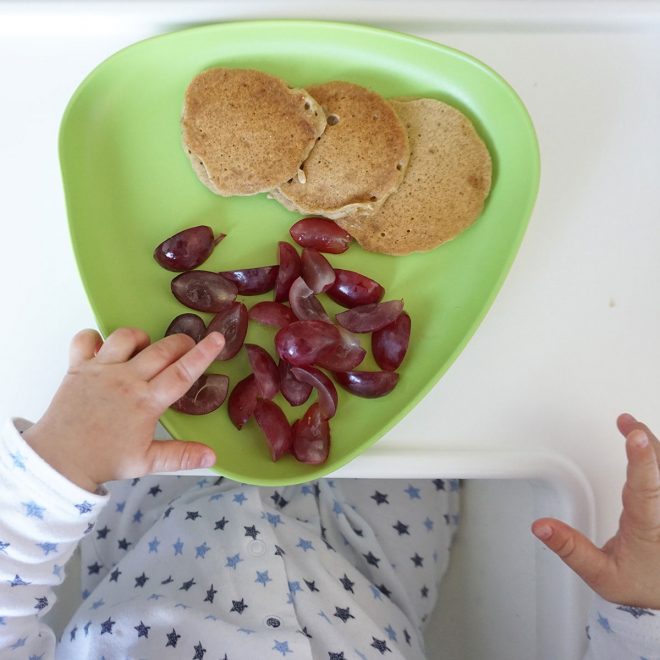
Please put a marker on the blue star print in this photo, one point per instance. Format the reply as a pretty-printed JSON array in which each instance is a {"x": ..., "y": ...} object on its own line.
[
  {"x": 178, "y": 547},
  {"x": 428, "y": 523},
  {"x": 604, "y": 623},
  {"x": 282, "y": 647},
  {"x": 98, "y": 603},
  {"x": 3, "y": 547},
  {"x": 306, "y": 489},
  {"x": 106, "y": 626},
  {"x": 304, "y": 544},
  {"x": 233, "y": 560},
  {"x": 153, "y": 545},
  {"x": 137, "y": 516},
  {"x": 142, "y": 630},
  {"x": 376, "y": 592},
  {"x": 274, "y": 519},
  {"x": 18, "y": 643},
  {"x": 262, "y": 577},
  {"x": 33, "y": 510},
  {"x": 413, "y": 493},
  {"x": 18, "y": 582},
  {"x": 36, "y": 657},
  {"x": 239, "y": 498},
  {"x": 19, "y": 460},
  {"x": 201, "y": 550},
  {"x": 337, "y": 508},
  {"x": 119, "y": 507},
  {"x": 390, "y": 633},
  {"x": 47, "y": 547},
  {"x": 84, "y": 507},
  {"x": 42, "y": 603}
]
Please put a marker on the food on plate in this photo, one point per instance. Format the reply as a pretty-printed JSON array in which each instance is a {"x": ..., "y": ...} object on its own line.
[
  {"x": 265, "y": 371},
  {"x": 289, "y": 269},
  {"x": 311, "y": 437},
  {"x": 275, "y": 314},
  {"x": 305, "y": 305},
  {"x": 321, "y": 234},
  {"x": 187, "y": 249},
  {"x": 243, "y": 401},
  {"x": 295, "y": 391},
  {"x": 206, "y": 395},
  {"x": 231, "y": 322},
  {"x": 246, "y": 131},
  {"x": 323, "y": 385},
  {"x": 252, "y": 281},
  {"x": 389, "y": 344},
  {"x": 444, "y": 187},
  {"x": 370, "y": 318},
  {"x": 351, "y": 289},
  {"x": 316, "y": 270},
  {"x": 275, "y": 426},
  {"x": 369, "y": 384},
  {"x": 359, "y": 159},
  {"x": 203, "y": 290},
  {"x": 188, "y": 324}
]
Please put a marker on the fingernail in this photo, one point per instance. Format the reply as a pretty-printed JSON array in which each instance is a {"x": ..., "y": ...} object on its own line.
[
  {"x": 207, "y": 460},
  {"x": 217, "y": 338},
  {"x": 543, "y": 532},
  {"x": 638, "y": 438},
  {"x": 628, "y": 417}
]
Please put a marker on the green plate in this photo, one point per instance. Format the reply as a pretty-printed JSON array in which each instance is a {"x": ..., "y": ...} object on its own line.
[{"x": 129, "y": 186}]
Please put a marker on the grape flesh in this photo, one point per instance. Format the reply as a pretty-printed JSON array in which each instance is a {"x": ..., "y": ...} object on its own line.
[
  {"x": 188, "y": 324},
  {"x": 368, "y": 384},
  {"x": 369, "y": 318},
  {"x": 232, "y": 323},
  {"x": 389, "y": 344},
  {"x": 252, "y": 281},
  {"x": 275, "y": 426},
  {"x": 243, "y": 401},
  {"x": 265, "y": 371},
  {"x": 203, "y": 290},
  {"x": 321, "y": 234},
  {"x": 311, "y": 437},
  {"x": 206, "y": 395}
]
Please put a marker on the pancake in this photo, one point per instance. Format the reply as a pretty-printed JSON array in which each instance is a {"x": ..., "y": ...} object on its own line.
[
  {"x": 443, "y": 190},
  {"x": 358, "y": 161},
  {"x": 247, "y": 132}
]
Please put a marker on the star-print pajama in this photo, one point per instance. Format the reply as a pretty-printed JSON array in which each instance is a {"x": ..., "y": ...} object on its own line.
[{"x": 207, "y": 568}]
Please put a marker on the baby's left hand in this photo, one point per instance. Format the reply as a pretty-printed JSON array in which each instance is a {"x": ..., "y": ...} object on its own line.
[
  {"x": 626, "y": 570},
  {"x": 100, "y": 425}
]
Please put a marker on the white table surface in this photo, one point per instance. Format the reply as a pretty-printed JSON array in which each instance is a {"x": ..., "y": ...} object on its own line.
[{"x": 573, "y": 337}]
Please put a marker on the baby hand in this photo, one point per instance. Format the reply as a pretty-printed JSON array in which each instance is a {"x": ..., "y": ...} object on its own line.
[
  {"x": 100, "y": 425},
  {"x": 626, "y": 570}
]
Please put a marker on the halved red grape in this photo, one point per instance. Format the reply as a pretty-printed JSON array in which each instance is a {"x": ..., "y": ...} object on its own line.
[
  {"x": 272, "y": 313},
  {"x": 188, "y": 324},
  {"x": 351, "y": 289},
  {"x": 344, "y": 356},
  {"x": 265, "y": 371},
  {"x": 187, "y": 249},
  {"x": 311, "y": 437},
  {"x": 243, "y": 401},
  {"x": 252, "y": 281},
  {"x": 369, "y": 318},
  {"x": 321, "y": 234},
  {"x": 206, "y": 395},
  {"x": 389, "y": 344},
  {"x": 301, "y": 342},
  {"x": 275, "y": 426},
  {"x": 369, "y": 384},
  {"x": 317, "y": 271},
  {"x": 323, "y": 385},
  {"x": 203, "y": 290},
  {"x": 294, "y": 391},
  {"x": 305, "y": 305},
  {"x": 231, "y": 322},
  {"x": 289, "y": 270}
]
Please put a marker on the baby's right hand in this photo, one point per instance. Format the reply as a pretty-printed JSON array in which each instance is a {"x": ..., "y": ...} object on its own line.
[
  {"x": 100, "y": 425},
  {"x": 626, "y": 570}
]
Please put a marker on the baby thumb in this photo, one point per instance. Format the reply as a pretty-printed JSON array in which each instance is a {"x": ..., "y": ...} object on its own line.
[
  {"x": 573, "y": 548},
  {"x": 174, "y": 455}
]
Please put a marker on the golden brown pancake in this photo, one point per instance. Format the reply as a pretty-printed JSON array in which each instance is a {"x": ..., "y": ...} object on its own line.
[
  {"x": 247, "y": 132},
  {"x": 358, "y": 161},
  {"x": 444, "y": 187}
]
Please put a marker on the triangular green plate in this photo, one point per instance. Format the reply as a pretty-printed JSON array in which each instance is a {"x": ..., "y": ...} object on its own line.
[{"x": 129, "y": 186}]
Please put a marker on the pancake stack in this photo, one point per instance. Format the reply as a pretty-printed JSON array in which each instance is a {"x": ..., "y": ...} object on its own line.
[{"x": 401, "y": 176}]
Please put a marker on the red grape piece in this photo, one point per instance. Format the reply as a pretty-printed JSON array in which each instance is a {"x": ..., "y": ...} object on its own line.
[
  {"x": 288, "y": 270},
  {"x": 294, "y": 391},
  {"x": 203, "y": 290},
  {"x": 243, "y": 401},
  {"x": 252, "y": 281},
  {"x": 369, "y": 318},
  {"x": 275, "y": 426},
  {"x": 369, "y": 384},
  {"x": 187, "y": 249},
  {"x": 232, "y": 323},
  {"x": 265, "y": 371},
  {"x": 317, "y": 271},
  {"x": 311, "y": 437},
  {"x": 206, "y": 395},
  {"x": 301, "y": 342},
  {"x": 323, "y": 385},
  {"x": 188, "y": 324},
  {"x": 272, "y": 313},
  {"x": 351, "y": 289},
  {"x": 305, "y": 305},
  {"x": 344, "y": 356},
  {"x": 389, "y": 344},
  {"x": 321, "y": 234}
]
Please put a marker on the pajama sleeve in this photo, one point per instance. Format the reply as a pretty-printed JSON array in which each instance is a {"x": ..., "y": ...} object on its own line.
[
  {"x": 622, "y": 632},
  {"x": 43, "y": 516}
]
